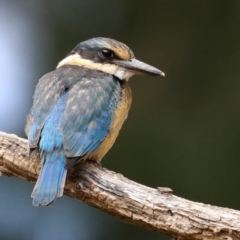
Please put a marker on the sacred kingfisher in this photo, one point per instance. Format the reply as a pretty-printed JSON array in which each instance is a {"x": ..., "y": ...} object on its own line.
[{"x": 78, "y": 110}]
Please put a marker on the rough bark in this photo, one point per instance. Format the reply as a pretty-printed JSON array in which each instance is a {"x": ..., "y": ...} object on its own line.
[{"x": 154, "y": 209}]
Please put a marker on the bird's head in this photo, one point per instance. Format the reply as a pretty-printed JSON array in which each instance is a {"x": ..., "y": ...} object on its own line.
[{"x": 110, "y": 56}]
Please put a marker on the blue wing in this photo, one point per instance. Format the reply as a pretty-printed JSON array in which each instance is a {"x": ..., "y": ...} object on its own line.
[
  {"x": 88, "y": 114},
  {"x": 47, "y": 93}
]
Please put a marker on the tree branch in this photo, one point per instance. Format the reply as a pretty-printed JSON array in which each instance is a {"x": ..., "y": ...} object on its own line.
[{"x": 154, "y": 209}]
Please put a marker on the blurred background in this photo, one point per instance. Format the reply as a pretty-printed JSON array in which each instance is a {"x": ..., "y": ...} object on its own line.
[{"x": 183, "y": 131}]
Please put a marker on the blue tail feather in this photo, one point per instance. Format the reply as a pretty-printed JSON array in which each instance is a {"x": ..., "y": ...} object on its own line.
[{"x": 51, "y": 180}]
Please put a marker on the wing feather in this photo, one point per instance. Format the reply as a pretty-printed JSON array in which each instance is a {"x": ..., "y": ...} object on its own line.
[
  {"x": 88, "y": 114},
  {"x": 45, "y": 97}
]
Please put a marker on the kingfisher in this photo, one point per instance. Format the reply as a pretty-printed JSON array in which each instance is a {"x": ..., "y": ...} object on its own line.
[{"x": 78, "y": 110}]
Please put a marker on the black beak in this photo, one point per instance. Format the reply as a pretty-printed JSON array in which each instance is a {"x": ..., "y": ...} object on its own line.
[{"x": 138, "y": 67}]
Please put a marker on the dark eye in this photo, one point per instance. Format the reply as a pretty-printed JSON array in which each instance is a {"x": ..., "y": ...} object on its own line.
[{"x": 106, "y": 53}]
